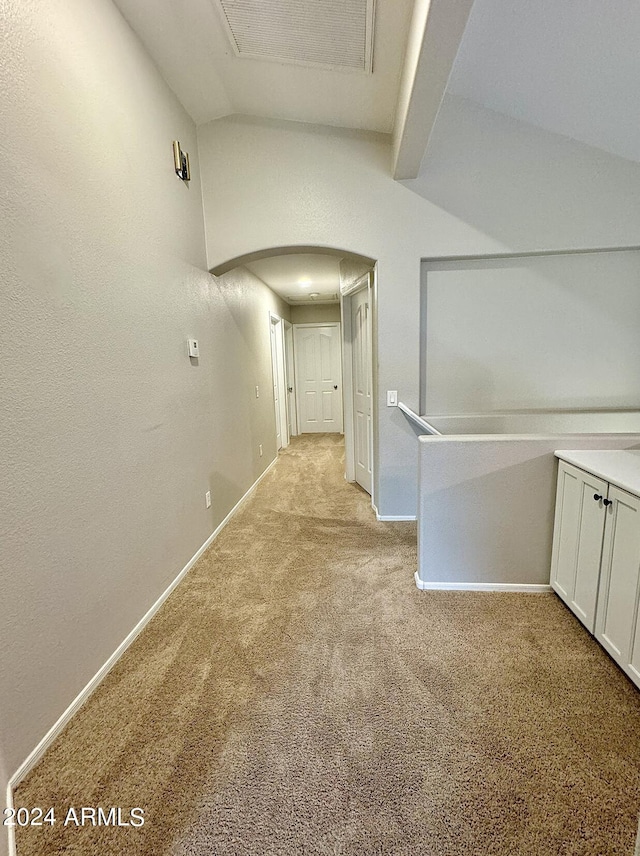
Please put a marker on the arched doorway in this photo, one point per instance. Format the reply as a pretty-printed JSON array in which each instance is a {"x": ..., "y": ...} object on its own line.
[{"x": 322, "y": 343}]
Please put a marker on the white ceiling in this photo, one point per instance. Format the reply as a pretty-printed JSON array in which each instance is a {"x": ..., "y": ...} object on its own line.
[
  {"x": 296, "y": 276},
  {"x": 568, "y": 66},
  {"x": 189, "y": 43}
]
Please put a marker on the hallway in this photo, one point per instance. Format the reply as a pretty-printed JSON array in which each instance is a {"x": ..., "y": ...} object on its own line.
[{"x": 297, "y": 695}]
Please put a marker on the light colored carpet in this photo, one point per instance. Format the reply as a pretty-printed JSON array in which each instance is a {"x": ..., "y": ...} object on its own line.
[{"x": 298, "y": 695}]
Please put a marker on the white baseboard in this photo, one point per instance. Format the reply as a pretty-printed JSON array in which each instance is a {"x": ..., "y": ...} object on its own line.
[
  {"x": 11, "y": 832},
  {"x": 33, "y": 758},
  {"x": 521, "y": 587},
  {"x": 390, "y": 517}
]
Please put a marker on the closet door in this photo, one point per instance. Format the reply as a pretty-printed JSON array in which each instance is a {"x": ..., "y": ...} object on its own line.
[
  {"x": 361, "y": 375},
  {"x": 577, "y": 540},
  {"x": 319, "y": 377},
  {"x": 617, "y": 618}
]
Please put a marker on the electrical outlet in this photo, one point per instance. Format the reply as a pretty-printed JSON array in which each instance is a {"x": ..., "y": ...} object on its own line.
[
  {"x": 257, "y": 391},
  {"x": 207, "y": 498},
  {"x": 260, "y": 448}
]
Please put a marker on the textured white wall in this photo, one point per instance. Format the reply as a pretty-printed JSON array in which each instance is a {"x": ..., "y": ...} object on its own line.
[
  {"x": 527, "y": 188},
  {"x": 274, "y": 184},
  {"x": 109, "y": 436},
  {"x": 538, "y": 332},
  {"x": 565, "y": 66},
  {"x": 487, "y": 505},
  {"x": 315, "y": 314},
  {"x": 351, "y": 271},
  {"x": 490, "y": 185}
]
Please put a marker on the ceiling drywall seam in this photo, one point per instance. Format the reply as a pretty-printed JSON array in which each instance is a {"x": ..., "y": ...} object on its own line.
[{"x": 436, "y": 31}]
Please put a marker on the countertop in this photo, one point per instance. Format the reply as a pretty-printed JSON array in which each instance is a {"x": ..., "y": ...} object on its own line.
[{"x": 621, "y": 468}]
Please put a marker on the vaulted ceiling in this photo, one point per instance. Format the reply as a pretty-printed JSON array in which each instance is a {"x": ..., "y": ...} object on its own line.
[
  {"x": 568, "y": 66},
  {"x": 191, "y": 44}
]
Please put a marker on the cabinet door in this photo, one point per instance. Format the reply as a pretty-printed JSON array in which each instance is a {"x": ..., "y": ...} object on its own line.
[
  {"x": 617, "y": 618},
  {"x": 577, "y": 540}
]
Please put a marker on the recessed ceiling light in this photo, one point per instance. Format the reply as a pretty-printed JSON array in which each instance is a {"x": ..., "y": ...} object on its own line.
[
  {"x": 314, "y": 294},
  {"x": 304, "y": 282}
]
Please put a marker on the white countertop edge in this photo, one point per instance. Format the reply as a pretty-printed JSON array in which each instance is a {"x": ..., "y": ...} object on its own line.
[{"x": 619, "y": 467}]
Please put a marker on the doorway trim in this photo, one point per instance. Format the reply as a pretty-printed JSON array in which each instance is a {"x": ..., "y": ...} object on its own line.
[
  {"x": 276, "y": 325},
  {"x": 367, "y": 281},
  {"x": 290, "y": 378}
]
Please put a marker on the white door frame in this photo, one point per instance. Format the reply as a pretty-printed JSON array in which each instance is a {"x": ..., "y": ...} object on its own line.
[
  {"x": 278, "y": 376},
  {"x": 341, "y": 334},
  {"x": 290, "y": 372},
  {"x": 368, "y": 281}
]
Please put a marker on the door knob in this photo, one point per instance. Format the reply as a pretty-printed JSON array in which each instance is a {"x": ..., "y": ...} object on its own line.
[
  {"x": 597, "y": 497},
  {"x": 335, "y": 386},
  {"x": 607, "y": 501}
]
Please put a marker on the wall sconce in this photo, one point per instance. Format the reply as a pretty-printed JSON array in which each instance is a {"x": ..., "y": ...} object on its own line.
[{"x": 181, "y": 162}]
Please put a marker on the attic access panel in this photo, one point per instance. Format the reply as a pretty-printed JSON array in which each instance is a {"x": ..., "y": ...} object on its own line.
[{"x": 331, "y": 34}]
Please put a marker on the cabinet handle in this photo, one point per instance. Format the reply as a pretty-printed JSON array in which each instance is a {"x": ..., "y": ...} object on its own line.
[
  {"x": 597, "y": 497},
  {"x": 607, "y": 501}
]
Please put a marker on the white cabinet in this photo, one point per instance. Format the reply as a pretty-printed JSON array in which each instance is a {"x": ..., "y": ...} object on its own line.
[
  {"x": 595, "y": 565},
  {"x": 617, "y": 616},
  {"x": 577, "y": 540}
]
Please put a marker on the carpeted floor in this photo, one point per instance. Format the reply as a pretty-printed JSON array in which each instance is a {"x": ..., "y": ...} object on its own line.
[{"x": 298, "y": 695}]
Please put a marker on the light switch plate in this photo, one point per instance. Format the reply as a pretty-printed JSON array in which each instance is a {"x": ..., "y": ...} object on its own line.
[
  {"x": 194, "y": 350},
  {"x": 392, "y": 398}
]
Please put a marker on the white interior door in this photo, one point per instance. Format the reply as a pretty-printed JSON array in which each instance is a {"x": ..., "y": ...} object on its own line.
[
  {"x": 279, "y": 382},
  {"x": 361, "y": 374},
  {"x": 318, "y": 368},
  {"x": 276, "y": 389},
  {"x": 290, "y": 379}
]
